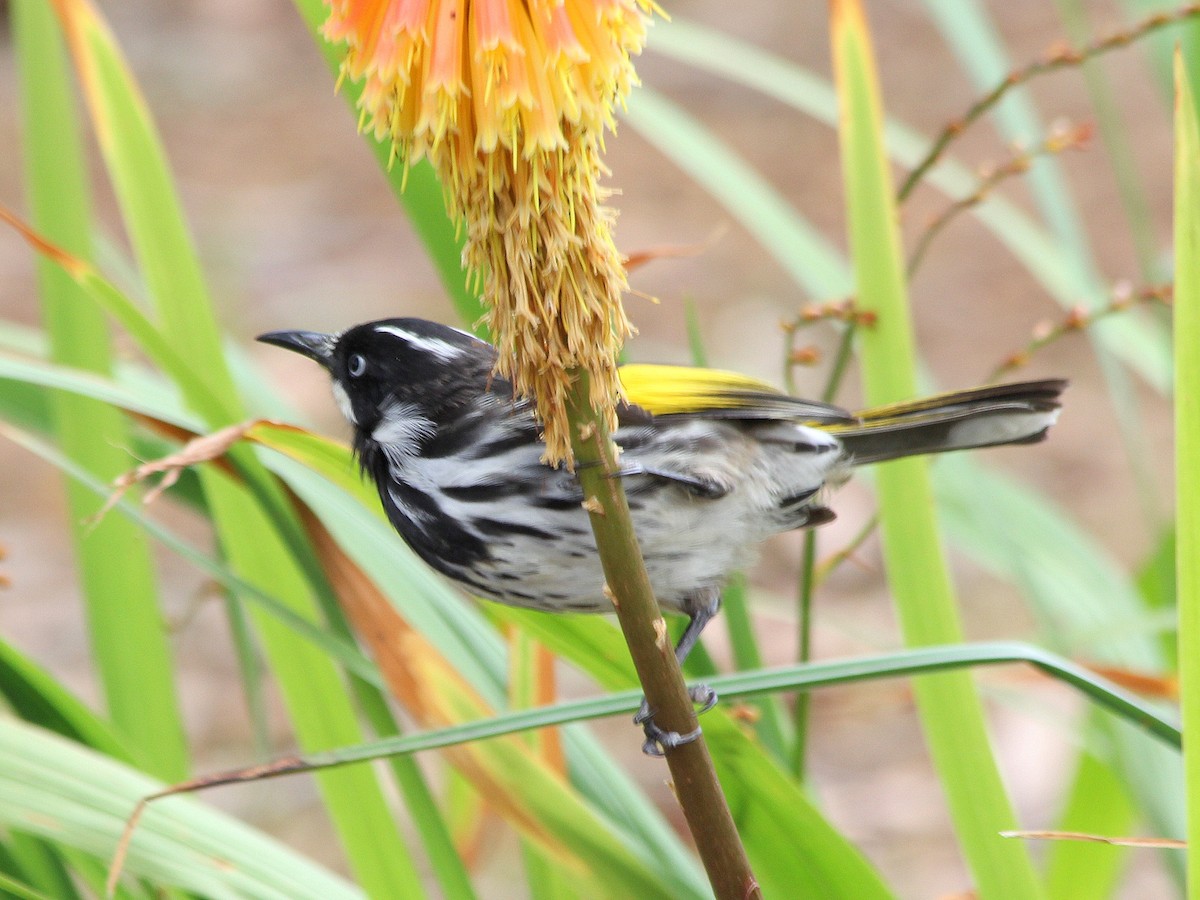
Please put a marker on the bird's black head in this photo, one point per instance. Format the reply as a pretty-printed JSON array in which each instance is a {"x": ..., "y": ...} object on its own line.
[{"x": 419, "y": 365}]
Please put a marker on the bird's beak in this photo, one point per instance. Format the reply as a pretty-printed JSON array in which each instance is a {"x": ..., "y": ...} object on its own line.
[{"x": 313, "y": 344}]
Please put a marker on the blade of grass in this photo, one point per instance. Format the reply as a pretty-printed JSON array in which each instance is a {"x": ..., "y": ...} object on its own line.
[
  {"x": 1098, "y": 803},
  {"x": 1187, "y": 445},
  {"x": 951, "y": 713},
  {"x": 794, "y": 850},
  {"x": 921, "y": 661},
  {"x": 257, "y": 532},
  {"x": 316, "y": 697},
  {"x": 149, "y": 339},
  {"x": 40, "y": 863},
  {"x": 79, "y": 798},
  {"x": 445, "y": 862},
  {"x": 1084, "y": 603},
  {"x": 35, "y": 696},
  {"x": 545, "y": 878},
  {"x": 22, "y": 891},
  {"x": 150, "y": 208},
  {"x": 320, "y": 645},
  {"x": 129, "y": 643},
  {"x": 601, "y": 779},
  {"x": 346, "y": 654},
  {"x": 118, "y": 102}
]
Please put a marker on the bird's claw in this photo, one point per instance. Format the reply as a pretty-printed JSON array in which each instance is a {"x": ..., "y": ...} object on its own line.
[
  {"x": 703, "y": 696},
  {"x": 659, "y": 741}
]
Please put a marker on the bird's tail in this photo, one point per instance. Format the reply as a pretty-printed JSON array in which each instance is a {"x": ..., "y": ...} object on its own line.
[{"x": 988, "y": 416}]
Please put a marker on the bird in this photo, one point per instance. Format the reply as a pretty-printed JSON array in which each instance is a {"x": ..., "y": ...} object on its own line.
[{"x": 712, "y": 462}]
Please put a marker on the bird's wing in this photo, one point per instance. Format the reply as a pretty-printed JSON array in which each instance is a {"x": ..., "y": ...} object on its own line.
[{"x": 713, "y": 393}]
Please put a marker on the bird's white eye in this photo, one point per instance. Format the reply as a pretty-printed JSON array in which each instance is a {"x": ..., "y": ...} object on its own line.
[{"x": 356, "y": 365}]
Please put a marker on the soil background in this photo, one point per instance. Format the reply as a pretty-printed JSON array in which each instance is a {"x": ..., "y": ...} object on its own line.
[{"x": 297, "y": 229}]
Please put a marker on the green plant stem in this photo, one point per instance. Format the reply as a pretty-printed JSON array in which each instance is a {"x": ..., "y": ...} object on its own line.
[
  {"x": 1187, "y": 447},
  {"x": 952, "y": 715},
  {"x": 645, "y": 631},
  {"x": 1117, "y": 139},
  {"x": 804, "y": 652},
  {"x": 841, "y": 360},
  {"x": 904, "y": 663},
  {"x": 808, "y": 569},
  {"x": 746, "y": 656}
]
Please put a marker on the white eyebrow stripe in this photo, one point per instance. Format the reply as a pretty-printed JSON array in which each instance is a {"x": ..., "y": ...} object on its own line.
[{"x": 443, "y": 350}]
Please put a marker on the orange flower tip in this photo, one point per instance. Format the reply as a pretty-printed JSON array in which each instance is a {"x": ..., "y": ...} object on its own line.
[{"x": 509, "y": 101}]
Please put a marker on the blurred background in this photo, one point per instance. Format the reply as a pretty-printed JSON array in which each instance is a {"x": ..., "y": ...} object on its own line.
[{"x": 297, "y": 228}]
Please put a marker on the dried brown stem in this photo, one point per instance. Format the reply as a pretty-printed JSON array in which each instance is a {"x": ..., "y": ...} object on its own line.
[
  {"x": 1077, "y": 319},
  {"x": 1067, "y": 138},
  {"x": 1057, "y": 57}
]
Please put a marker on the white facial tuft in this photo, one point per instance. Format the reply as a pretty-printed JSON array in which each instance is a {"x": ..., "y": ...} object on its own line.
[
  {"x": 343, "y": 401},
  {"x": 400, "y": 431}
]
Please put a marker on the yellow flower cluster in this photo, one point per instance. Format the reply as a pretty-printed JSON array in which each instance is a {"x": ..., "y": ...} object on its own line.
[{"x": 509, "y": 100}]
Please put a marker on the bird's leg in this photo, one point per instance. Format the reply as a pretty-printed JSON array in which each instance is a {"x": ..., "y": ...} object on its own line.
[{"x": 700, "y": 608}]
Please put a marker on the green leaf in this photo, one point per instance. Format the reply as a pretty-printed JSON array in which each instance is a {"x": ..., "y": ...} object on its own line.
[
  {"x": 256, "y": 528},
  {"x": 1097, "y": 803},
  {"x": 1084, "y": 601},
  {"x": 80, "y": 798},
  {"x": 1187, "y": 445},
  {"x": 150, "y": 208},
  {"x": 40, "y": 864},
  {"x": 35, "y": 696},
  {"x": 20, "y": 891},
  {"x": 128, "y": 640},
  {"x": 771, "y": 811},
  {"x": 951, "y": 713}
]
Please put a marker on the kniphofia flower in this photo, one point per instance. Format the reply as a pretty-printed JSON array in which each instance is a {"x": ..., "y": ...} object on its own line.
[{"x": 509, "y": 100}]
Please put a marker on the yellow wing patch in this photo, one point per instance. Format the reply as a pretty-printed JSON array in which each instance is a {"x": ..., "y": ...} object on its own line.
[{"x": 663, "y": 390}]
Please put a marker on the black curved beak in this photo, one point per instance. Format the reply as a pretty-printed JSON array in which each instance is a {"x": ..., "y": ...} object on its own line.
[{"x": 316, "y": 346}]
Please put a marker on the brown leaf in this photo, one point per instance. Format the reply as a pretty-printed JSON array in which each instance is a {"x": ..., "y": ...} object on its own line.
[
  {"x": 205, "y": 448},
  {"x": 1165, "y": 687}
]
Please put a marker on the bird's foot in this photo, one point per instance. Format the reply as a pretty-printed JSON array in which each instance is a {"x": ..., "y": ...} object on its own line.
[
  {"x": 658, "y": 740},
  {"x": 703, "y": 696}
]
